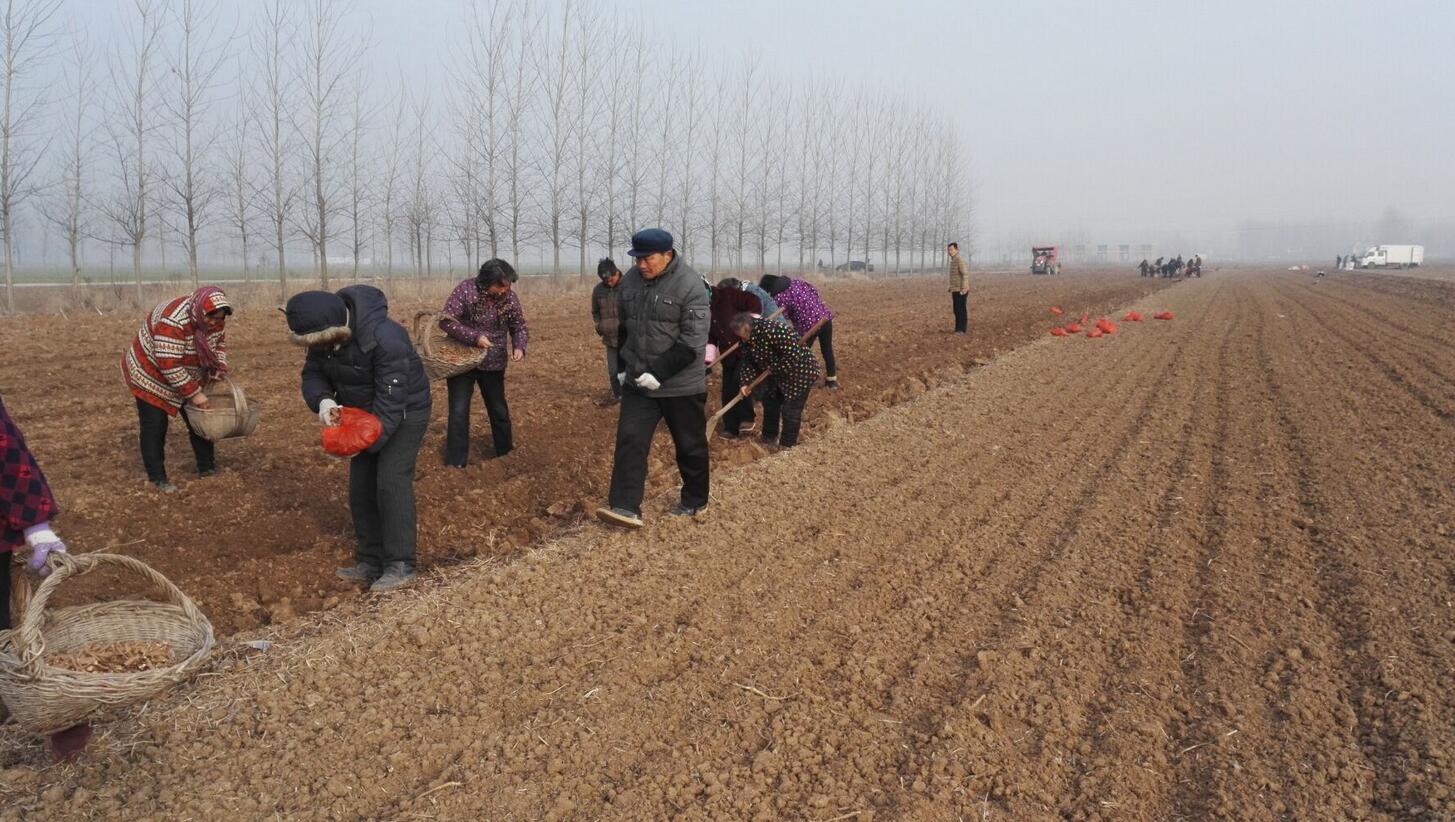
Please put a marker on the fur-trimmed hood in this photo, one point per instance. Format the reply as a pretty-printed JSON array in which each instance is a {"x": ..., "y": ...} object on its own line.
[
  {"x": 332, "y": 335},
  {"x": 319, "y": 318}
]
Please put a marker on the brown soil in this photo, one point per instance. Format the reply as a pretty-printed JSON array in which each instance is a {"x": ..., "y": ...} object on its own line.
[
  {"x": 1198, "y": 568},
  {"x": 257, "y": 544}
]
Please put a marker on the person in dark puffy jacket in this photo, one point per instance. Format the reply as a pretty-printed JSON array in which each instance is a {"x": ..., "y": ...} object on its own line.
[
  {"x": 358, "y": 357},
  {"x": 664, "y": 322}
]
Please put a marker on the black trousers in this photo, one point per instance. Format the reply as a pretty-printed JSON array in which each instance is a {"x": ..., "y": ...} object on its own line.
[
  {"x": 686, "y": 420},
  {"x": 613, "y": 367},
  {"x": 962, "y": 312},
  {"x": 825, "y": 337},
  {"x": 732, "y": 421},
  {"x": 457, "y": 433},
  {"x": 776, "y": 405},
  {"x": 381, "y": 496},
  {"x": 153, "y": 424},
  {"x": 5, "y": 562}
]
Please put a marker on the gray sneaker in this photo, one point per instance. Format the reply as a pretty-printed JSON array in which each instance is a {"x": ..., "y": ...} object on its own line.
[
  {"x": 396, "y": 575},
  {"x": 685, "y": 510},
  {"x": 165, "y": 486},
  {"x": 361, "y": 572}
]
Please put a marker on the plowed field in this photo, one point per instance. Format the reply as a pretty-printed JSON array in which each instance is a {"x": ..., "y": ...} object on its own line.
[{"x": 1198, "y": 568}]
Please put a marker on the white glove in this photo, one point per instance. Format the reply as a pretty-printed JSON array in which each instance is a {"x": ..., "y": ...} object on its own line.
[
  {"x": 43, "y": 542},
  {"x": 710, "y": 356},
  {"x": 621, "y": 378},
  {"x": 647, "y": 382},
  {"x": 326, "y": 407}
]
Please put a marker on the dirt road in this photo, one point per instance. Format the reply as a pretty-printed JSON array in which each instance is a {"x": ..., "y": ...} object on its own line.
[{"x": 1200, "y": 568}]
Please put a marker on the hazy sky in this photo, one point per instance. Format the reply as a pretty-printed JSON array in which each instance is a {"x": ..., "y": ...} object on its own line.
[
  {"x": 1127, "y": 117},
  {"x": 1123, "y": 120}
]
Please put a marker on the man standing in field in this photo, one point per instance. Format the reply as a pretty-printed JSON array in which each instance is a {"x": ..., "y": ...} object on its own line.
[
  {"x": 608, "y": 324},
  {"x": 664, "y": 322},
  {"x": 959, "y": 288}
]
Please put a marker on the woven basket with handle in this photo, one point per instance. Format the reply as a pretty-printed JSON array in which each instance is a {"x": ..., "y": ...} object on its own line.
[
  {"x": 44, "y": 699},
  {"x": 442, "y": 357},
  {"x": 229, "y": 413}
]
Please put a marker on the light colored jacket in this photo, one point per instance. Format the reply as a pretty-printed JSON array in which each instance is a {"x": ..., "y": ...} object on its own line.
[{"x": 959, "y": 273}]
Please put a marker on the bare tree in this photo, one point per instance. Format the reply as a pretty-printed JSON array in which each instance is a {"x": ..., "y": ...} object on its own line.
[
  {"x": 554, "y": 67},
  {"x": 359, "y": 114},
  {"x": 131, "y": 123},
  {"x": 617, "y": 83},
  {"x": 27, "y": 37},
  {"x": 327, "y": 58},
  {"x": 688, "y": 116},
  {"x": 635, "y": 177},
  {"x": 389, "y": 181},
  {"x": 272, "y": 96},
  {"x": 195, "y": 67},
  {"x": 520, "y": 88},
  {"x": 240, "y": 200},
  {"x": 587, "y": 82},
  {"x": 69, "y": 211},
  {"x": 743, "y": 127},
  {"x": 483, "y": 80}
]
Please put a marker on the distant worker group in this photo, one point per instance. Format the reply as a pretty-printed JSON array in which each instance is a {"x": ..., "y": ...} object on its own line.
[{"x": 1171, "y": 268}]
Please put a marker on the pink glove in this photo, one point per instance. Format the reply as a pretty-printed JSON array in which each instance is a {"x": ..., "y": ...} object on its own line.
[
  {"x": 43, "y": 542},
  {"x": 711, "y": 354}
]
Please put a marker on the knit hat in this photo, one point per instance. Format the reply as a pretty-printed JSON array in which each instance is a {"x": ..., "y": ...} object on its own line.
[
  {"x": 606, "y": 268},
  {"x": 318, "y": 318},
  {"x": 774, "y": 284}
]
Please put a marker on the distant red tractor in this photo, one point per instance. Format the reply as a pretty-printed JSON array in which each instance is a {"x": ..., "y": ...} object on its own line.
[{"x": 1044, "y": 260}]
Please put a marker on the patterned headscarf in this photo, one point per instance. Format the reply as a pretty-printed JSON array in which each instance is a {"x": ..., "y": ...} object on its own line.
[{"x": 205, "y": 300}]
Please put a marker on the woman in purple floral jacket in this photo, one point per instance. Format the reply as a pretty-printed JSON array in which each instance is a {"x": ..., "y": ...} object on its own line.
[{"x": 480, "y": 312}]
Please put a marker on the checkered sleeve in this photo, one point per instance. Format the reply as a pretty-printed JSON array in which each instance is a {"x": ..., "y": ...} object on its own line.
[{"x": 25, "y": 497}]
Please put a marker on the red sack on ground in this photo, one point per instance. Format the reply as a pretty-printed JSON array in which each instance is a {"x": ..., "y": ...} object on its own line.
[
  {"x": 1058, "y": 332},
  {"x": 357, "y": 430},
  {"x": 1132, "y": 317},
  {"x": 1093, "y": 333},
  {"x": 1056, "y": 310},
  {"x": 1162, "y": 315},
  {"x": 1074, "y": 328},
  {"x": 1106, "y": 326}
]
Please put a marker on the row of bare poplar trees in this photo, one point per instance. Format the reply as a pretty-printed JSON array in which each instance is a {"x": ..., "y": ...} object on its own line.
[{"x": 266, "y": 130}]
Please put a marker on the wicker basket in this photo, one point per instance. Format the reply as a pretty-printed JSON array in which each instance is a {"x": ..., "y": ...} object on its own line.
[
  {"x": 45, "y": 699},
  {"x": 229, "y": 413},
  {"x": 442, "y": 357}
]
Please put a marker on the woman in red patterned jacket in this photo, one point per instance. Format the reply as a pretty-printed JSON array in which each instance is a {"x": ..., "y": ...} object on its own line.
[{"x": 179, "y": 349}]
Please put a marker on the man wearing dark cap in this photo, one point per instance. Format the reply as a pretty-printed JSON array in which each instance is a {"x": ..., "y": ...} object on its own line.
[
  {"x": 664, "y": 321},
  {"x": 358, "y": 357},
  {"x": 607, "y": 320}
]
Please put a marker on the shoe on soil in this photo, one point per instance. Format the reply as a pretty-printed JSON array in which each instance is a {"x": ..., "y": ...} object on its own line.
[
  {"x": 165, "y": 486},
  {"x": 396, "y": 575},
  {"x": 207, "y": 472},
  {"x": 684, "y": 510},
  {"x": 831, "y": 384},
  {"x": 619, "y": 517},
  {"x": 361, "y": 572}
]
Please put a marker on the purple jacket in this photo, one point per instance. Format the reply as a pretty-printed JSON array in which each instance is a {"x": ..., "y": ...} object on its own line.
[
  {"x": 801, "y": 305},
  {"x": 468, "y": 318}
]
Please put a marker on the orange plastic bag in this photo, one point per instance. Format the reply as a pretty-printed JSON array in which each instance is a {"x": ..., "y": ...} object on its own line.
[
  {"x": 1074, "y": 328},
  {"x": 1094, "y": 333},
  {"x": 1058, "y": 332},
  {"x": 1162, "y": 315},
  {"x": 1132, "y": 317},
  {"x": 1056, "y": 310},
  {"x": 356, "y": 431}
]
